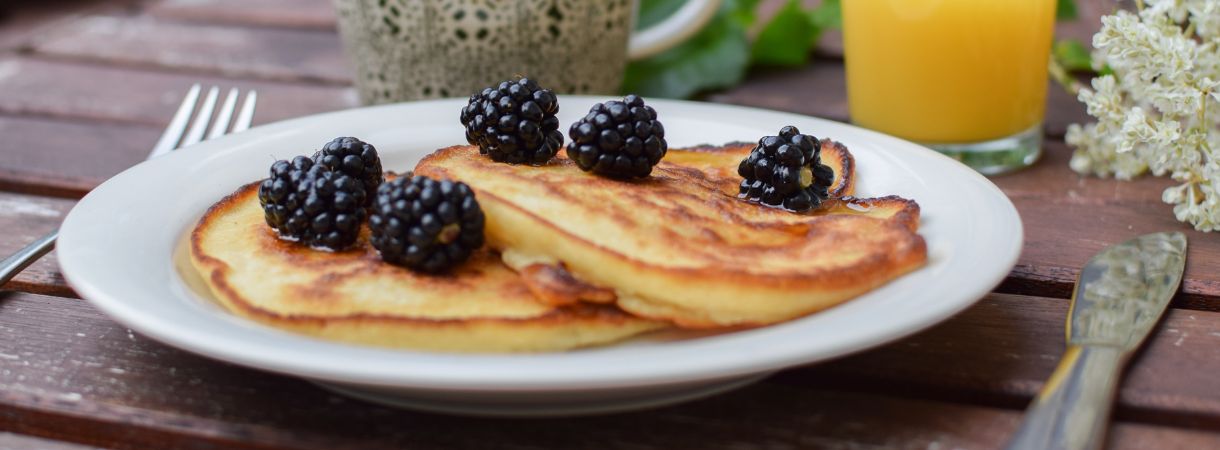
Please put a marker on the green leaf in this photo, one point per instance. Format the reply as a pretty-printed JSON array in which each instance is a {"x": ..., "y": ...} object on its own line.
[
  {"x": 744, "y": 12},
  {"x": 654, "y": 11},
  {"x": 827, "y": 15},
  {"x": 786, "y": 39},
  {"x": 1072, "y": 55},
  {"x": 716, "y": 57},
  {"x": 1066, "y": 10}
]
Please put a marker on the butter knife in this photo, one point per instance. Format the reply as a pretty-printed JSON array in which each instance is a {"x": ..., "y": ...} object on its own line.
[{"x": 1119, "y": 297}]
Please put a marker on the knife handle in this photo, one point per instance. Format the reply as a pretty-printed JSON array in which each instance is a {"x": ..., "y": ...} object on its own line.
[{"x": 1073, "y": 408}]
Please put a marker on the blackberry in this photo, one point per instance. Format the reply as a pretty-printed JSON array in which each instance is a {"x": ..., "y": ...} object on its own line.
[
  {"x": 621, "y": 139},
  {"x": 311, "y": 204},
  {"x": 786, "y": 171},
  {"x": 356, "y": 159},
  {"x": 424, "y": 224},
  {"x": 514, "y": 122}
]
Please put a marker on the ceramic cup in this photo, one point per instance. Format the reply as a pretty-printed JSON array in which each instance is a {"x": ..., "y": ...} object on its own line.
[{"x": 419, "y": 49}]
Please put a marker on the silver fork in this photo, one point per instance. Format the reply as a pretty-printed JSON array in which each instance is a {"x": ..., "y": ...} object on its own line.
[{"x": 175, "y": 137}]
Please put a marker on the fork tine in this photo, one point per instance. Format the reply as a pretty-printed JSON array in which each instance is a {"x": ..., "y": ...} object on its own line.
[
  {"x": 247, "y": 112},
  {"x": 223, "y": 115},
  {"x": 177, "y": 125},
  {"x": 201, "y": 118}
]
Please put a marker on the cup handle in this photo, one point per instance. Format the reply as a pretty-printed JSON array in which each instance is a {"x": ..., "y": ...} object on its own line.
[{"x": 675, "y": 29}]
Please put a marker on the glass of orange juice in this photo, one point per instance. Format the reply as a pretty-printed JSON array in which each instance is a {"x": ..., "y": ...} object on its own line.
[{"x": 965, "y": 77}]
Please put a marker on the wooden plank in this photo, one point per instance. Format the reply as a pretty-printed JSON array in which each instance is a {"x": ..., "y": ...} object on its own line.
[
  {"x": 25, "y": 218},
  {"x": 1052, "y": 177},
  {"x": 1000, "y": 351},
  {"x": 263, "y": 53},
  {"x": 1068, "y": 218},
  {"x": 67, "y": 158},
  {"x": 16, "y": 441},
  {"x": 22, "y": 20},
  {"x": 820, "y": 89},
  {"x": 1062, "y": 109},
  {"x": 68, "y": 373},
  {"x": 31, "y": 86},
  {"x": 310, "y": 14}
]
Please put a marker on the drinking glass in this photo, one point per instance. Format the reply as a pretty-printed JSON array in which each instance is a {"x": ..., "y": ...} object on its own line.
[{"x": 965, "y": 77}]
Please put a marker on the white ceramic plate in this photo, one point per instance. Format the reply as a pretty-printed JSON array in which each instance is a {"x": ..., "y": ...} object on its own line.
[{"x": 119, "y": 248}]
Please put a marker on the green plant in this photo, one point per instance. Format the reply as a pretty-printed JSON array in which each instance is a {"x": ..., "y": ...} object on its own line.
[{"x": 718, "y": 56}]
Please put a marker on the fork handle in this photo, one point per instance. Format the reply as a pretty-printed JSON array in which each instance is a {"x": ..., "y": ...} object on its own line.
[
  {"x": 1073, "y": 408},
  {"x": 12, "y": 265}
]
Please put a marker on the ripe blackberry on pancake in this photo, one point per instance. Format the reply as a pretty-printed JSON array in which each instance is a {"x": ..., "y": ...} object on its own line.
[
  {"x": 786, "y": 171},
  {"x": 311, "y": 204},
  {"x": 514, "y": 122},
  {"x": 424, "y": 224},
  {"x": 618, "y": 139},
  {"x": 356, "y": 159}
]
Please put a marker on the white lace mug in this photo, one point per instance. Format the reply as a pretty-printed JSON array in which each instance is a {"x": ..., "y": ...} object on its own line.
[{"x": 418, "y": 49}]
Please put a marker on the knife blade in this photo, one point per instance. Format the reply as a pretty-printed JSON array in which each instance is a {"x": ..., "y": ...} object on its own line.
[{"x": 1119, "y": 297}]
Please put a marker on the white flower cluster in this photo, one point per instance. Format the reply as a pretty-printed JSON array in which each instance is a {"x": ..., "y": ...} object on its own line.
[{"x": 1158, "y": 104}]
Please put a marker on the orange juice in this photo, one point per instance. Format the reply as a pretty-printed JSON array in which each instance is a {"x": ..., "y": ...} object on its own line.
[{"x": 947, "y": 71}]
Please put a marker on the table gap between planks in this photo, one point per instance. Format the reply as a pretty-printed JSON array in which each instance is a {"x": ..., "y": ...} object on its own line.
[{"x": 86, "y": 85}]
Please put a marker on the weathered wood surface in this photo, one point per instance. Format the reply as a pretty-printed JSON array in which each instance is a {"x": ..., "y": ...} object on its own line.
[
  {"x": 19, "y": 441},
  {"x": 64, "y": 366},
  {"x": 24, "y": 218},
  {"x": 307, "y": 14},
  {"x": 67, "y": 158},
  {"x": 1000, "y": 351},
  {"x": 265, "y": 53},
  {"x": 21, "y": 20},
  {"x": 33, "y": 86},
  {"x": 1068, "y": 218}
]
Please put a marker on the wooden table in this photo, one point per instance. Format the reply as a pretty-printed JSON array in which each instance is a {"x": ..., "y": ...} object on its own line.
[{"x": 86, "y": 87}]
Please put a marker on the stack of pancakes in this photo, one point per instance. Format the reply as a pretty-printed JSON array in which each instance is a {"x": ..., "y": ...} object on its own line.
[{"x": 573, "y": 259}]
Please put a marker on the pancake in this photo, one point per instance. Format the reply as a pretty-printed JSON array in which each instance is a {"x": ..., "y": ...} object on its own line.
[
  {"x": 353, "y": 296},
  {"x": 680, "y": 245}
]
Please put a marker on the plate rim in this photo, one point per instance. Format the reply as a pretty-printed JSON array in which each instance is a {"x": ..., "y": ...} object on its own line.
[{"x": 75, "y": 273}]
